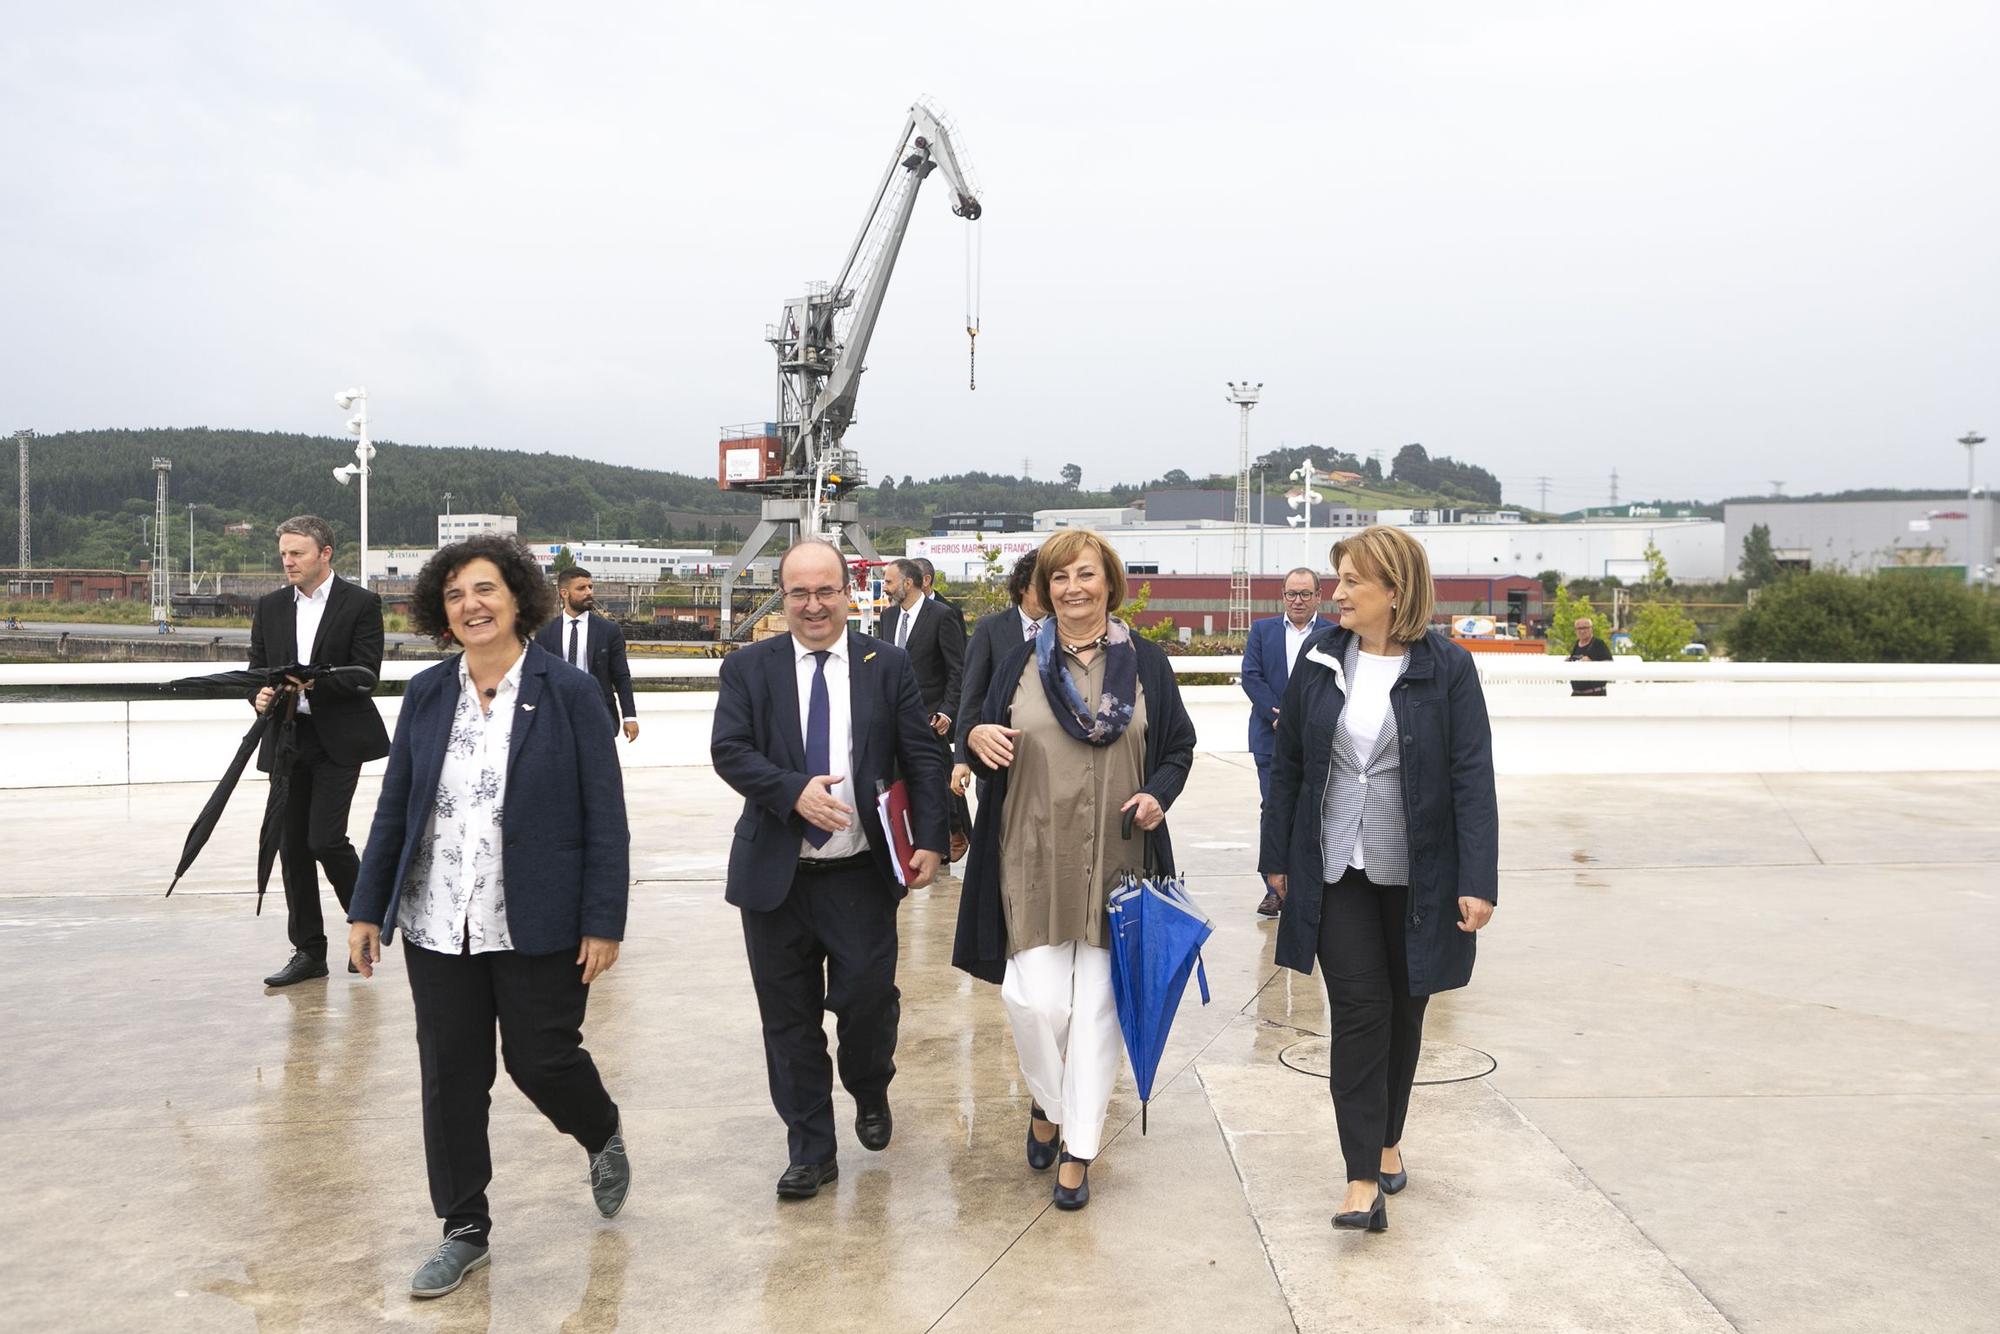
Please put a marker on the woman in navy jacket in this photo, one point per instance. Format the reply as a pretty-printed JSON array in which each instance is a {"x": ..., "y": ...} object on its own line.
[
  {"x": 500, "y": 850},
  {"x": 1382, "y": 838}
]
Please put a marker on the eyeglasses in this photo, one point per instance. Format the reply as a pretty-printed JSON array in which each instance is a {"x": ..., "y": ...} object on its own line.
[
  {"x": 1293, "y": 595},
  {"x": 798, "y": 597}
]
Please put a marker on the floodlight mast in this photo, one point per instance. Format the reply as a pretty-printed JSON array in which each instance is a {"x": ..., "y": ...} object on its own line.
[{"x": 821, "y": 342}]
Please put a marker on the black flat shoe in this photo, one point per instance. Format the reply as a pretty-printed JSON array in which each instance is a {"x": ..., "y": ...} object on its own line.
[
  {"x": 301, "y": 967},
  {"x": 1041, "y": 1153},
  {"x": 873, "y": 1126},
  {"x": 802, "y": 1181},
  {"x": 1073, "y": 1199},
  {"x": 1374, "y": 1220}
]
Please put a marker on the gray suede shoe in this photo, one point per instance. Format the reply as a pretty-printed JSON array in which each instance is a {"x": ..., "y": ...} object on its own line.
[
  {"x": 456, "y": 1256},
  {"x": 611, "y": 1175}
]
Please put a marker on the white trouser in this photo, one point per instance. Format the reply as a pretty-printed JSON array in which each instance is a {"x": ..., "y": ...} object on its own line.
[{"x": 1065, "y": 1024}]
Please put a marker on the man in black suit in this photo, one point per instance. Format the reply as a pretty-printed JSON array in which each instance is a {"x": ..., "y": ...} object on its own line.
[
  {"x": 585, "y": 638},
  {"x": 806, "y": 726},
  {"x": 932, "y": 632},
  {"x": 991, "y": 638},
  {"x": 317, "y": 620}
]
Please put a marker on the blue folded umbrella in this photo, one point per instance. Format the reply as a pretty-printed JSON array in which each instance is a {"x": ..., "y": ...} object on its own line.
[{"x": 1156, "y": 939}]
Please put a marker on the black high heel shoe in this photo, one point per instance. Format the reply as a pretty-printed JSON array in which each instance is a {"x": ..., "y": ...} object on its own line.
[
  {"x": 1073, "y": 1199},
  {"x": 1041, "y": 1152},
  {"x": 1393, "y": 1182},
  {"x": 1373, "y": 1220}
]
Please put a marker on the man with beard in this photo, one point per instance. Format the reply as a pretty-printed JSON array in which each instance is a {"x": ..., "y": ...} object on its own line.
[{"x": 586, "y": 639}]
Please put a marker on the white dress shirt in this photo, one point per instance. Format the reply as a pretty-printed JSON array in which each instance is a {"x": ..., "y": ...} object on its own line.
[
  {"x": 1295, "y": 639},
  {"x": 906, "y": 621},
  {"x": 839, "y": 743},
  {"x": 455, "y": 896},
  {"x": 1029, "y": 625},
  {"x": 582, "y": 623},
  {"x": 309, "y": 609}
]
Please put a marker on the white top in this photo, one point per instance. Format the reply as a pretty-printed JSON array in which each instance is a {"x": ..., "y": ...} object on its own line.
[
  {"x": 1030, "y": 627},
  {"x": 1375, "y": 675},
  {"x": 455, "y": 896},
  {"x": 1295, "y": 639},
  {"x": 906, "y": 620},
  {"x": 581, "y": 658},
  {"x": 839, "y": 743},
  {"x": 309, "y": 609}
]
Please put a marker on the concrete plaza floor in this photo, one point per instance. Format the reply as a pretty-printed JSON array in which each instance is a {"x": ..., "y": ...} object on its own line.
[{"x": 1743, "y": 1034}]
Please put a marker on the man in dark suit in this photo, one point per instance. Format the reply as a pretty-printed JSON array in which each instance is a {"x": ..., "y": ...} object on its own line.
[
  {"x": 317, "y": 620},
  {"x": 807, "y": 725},
  {"x": 991, "y": 638},
  {"x": 932, "y": 632},
  {"x": 1267, "y": 668},
  {"x": 585, "y": 638}
]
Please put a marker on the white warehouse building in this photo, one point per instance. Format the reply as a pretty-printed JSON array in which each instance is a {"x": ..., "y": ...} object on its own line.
[{"x": 1693, "y": 547}]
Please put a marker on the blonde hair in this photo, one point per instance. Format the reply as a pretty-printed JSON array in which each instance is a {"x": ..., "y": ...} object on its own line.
[
  {"x": 1392, "y": 557},
  {"x": 1068, "y": 547}
]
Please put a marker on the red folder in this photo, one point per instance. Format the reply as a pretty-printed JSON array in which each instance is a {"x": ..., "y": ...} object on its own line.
[{"x": 892, "y": 804}]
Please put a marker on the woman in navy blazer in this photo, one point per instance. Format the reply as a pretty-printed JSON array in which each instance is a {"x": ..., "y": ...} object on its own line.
[{"x": 500, "y": 850}]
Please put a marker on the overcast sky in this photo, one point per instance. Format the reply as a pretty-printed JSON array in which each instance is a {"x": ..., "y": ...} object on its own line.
[{"x": 1707, "y": 244}]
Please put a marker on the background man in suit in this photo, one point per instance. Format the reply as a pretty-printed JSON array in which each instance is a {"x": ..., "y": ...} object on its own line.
[
  {"x": 585, "y": 638},
  {"x": 1268, "y": 657},
  {"x": 932, "y": 632},
  {"x": 930, "y": 584},
  {"x": 991, "y": 639},
  {"x": 806, "y": 725},
  {"x": 318, "y": 620}
]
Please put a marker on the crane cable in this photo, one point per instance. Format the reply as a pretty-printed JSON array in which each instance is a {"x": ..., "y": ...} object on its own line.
[{"x": 973, "y": 255}]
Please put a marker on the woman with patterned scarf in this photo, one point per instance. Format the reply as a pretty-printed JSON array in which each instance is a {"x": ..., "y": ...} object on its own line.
[{"x": 1081, "y": 724}]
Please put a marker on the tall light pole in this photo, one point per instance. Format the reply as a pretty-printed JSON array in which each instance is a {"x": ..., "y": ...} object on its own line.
[
  {"x": 1306, "y": 474},
  {"x": 24, "y": 439},
  {"x": 357, "y": 425},
  {"x": 1976, "y": 558},
  {"x": 1244, "y": 395},
  {"x": 447, "y": 504},
  {"x": 190, "y": 505}
]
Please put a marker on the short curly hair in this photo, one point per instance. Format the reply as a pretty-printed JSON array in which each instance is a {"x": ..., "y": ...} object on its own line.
[{"x": 534, "y": 599}]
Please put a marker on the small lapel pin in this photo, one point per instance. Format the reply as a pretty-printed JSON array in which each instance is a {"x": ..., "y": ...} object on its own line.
[
  {"x": 868, "y": 658},
  {"x": 529, "y": 707}
]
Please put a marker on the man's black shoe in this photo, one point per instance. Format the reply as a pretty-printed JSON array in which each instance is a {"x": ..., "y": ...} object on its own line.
[
  {"x": 873, "y": 1126},
  {"x": 1271, "y": 905},
  {"x": 302, "y": 968},
  {"x": 802, "y": 1181}
]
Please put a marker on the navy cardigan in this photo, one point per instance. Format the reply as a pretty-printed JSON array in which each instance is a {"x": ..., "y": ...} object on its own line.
[
  {"x": 981, "y": 945},
  {"x": 565, "y": 848}
]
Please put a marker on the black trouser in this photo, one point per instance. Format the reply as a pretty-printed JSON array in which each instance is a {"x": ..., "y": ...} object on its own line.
[
  {"x": 1378, "y": 1026},
  {"x": 831, "y": 945},
  {"x": 538, "y": 1002},
  {"x": 316, "y": 831}
]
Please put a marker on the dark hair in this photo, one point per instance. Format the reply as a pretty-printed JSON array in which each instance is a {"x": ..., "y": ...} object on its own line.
[
  {"x": 534, "y": 600},
  {"x": 930, "y": 571},
  {"x": 311, "y": 527},
  {"x": 910, "y": 570},
  {"x": 1023, "y": 575},
  {"x": 571, "y": 575}
]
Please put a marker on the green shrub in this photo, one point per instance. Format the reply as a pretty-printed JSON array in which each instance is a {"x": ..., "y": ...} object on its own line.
[
  {"x": 1830, "y": 617},
  {"x": 1660, "y": 630}
]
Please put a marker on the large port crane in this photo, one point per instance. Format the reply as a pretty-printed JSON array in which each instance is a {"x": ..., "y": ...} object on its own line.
[{"x": 797, "y": 461}]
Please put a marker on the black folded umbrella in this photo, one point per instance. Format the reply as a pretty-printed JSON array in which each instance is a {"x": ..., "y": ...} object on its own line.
[{"x": 282, "y": 714}]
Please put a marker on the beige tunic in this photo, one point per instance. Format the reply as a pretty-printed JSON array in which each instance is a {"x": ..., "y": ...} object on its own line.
[{"x": 1060, "y": 849}]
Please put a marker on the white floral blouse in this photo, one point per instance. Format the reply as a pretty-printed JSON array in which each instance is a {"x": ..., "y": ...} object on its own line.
[{"x": 455, "y": 898}]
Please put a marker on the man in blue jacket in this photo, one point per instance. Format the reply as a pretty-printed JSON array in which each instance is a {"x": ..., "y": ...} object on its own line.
[
  {"x": 1267, "y": 667},
  {"x": 587, "y": 639},
  {"x": 808, "y": 725}
]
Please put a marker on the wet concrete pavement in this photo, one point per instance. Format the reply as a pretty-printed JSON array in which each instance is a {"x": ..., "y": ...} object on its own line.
[{"x": 1744, "y": 1034}]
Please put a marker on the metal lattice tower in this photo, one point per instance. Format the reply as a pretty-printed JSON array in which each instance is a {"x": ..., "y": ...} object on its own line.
[
  {"x": 23, "y": 439},
  {"x": 1244, "y": 395},
  {"x": 163, "y": 601}
]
